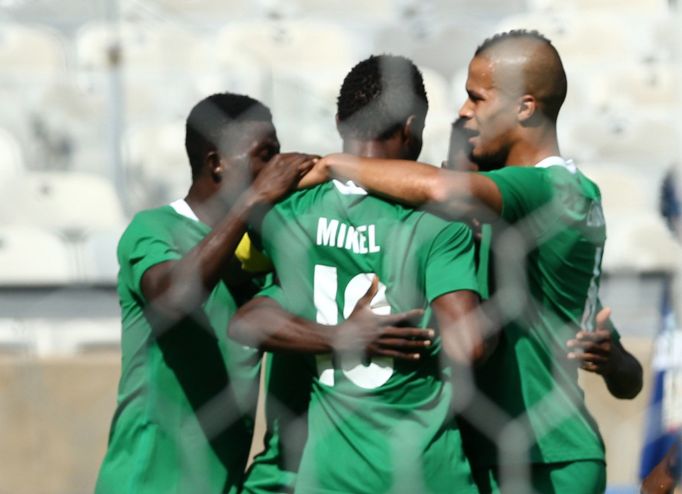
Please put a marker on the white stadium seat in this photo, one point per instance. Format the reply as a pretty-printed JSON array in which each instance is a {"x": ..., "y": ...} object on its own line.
[
  {"x": 581, "y": 39},
  {"x": 29, "y": 51},
  {"x": 586, "y": 6},
  {"x": 144, "y": 47},
  {"x": 11, "y": 157},
  {"x": 291, "y": 45},
  {"x": 160, "y": 177},
  {"x": 640, "y": 242},
  {"x": 99, "y": 264},
  {"x": 69, "y": 203},
  {"x": 651, "y": 85},
  {"x": 31, "y": 256},
  {"x": 633, "y": 138}
]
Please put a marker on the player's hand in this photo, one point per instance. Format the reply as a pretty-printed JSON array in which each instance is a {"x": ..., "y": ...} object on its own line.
[
  {"x": 281, "y": 175},
  {"x": 386, "y": 336},
  {"x": 594, "y": 350},
  {"x": 318, "y": 174}
]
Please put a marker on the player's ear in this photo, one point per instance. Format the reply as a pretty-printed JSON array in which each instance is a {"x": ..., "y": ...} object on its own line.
[
  {"x": 411, "y": 135},
  {"x": 413, "y": 128},
  {"x": 527, "y": 108},
  {"x": 215, "y": 165}
]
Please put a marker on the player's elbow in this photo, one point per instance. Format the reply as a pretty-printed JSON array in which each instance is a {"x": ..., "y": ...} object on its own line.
[{"x": 240, "y": 330}]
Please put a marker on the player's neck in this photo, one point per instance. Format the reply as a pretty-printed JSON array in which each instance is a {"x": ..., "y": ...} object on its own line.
[
  {"x": 532, "y": 149},
  {"x": 206, "y": 203},
  {"x": 371, "y": 149}
]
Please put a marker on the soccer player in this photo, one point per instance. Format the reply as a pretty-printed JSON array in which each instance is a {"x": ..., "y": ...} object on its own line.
[
  {"x": 531, "y": 423},
  {"x": 381, "y": 424},
  {"x": 187, "y": 393}
]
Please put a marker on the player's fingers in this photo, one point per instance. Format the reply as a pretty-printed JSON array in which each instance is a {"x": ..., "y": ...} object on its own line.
[
  {"x": 408, "y": 333},
  {"x": 403, "y": 344},
  {"x": 369, "y": 294},
  {"x": 396, "y": 354},
  {"x": 587, "y": 357},
  {"x": 407, "y": 316},
  {"x": 602, "y": 318},
  {"x": 590, "y": 366},
  {"x": 306, "y": 165},
  {"x": 589, "y": 346}
]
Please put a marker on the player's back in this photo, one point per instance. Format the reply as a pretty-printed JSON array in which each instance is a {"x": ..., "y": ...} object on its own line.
[{"x": 375, "y": 425}]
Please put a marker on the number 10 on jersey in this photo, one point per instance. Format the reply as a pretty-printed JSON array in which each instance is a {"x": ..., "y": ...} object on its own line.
[{"x": 325, "y": 287}]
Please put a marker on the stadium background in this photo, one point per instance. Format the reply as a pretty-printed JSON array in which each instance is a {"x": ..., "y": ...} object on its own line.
[{"x": 92, "y": 126}]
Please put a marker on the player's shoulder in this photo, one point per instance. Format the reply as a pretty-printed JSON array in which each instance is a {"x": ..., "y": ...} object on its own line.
[
  {"x": 151, "y": 218},
  {"x": 304, "y": 198},
  {"x": 148, "y": 222},
  {"x": 433, "y": 225}
]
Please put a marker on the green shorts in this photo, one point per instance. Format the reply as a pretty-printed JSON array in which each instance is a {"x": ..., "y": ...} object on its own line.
[{"x": 571, "y": 477}]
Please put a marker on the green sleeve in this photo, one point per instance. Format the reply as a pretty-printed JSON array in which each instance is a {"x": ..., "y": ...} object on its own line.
[
  {"x": 524, "y": 189},
  {"x": 450, "y": 263},
  {"x": 143, "y": 246}
]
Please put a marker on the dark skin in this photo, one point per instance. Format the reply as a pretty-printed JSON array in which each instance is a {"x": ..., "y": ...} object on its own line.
[
  {"x": 664, "y": 477},
  {"x": 462, "y": 336},
  {"x": 220, "y": 197},
  {"x": 598, "y": 352},
  {"x": 264, "y": 324},
  {"x": 508, "y": 125}
]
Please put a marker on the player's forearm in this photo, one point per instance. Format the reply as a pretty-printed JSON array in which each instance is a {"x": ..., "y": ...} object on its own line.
[
  {"x": 263, "y": 324},
  {"x": 180, "y": 287},
  {"x": 449, "y": 193},
  {"x": 624, "y": 381},
  {"x": 461, "y": 327},
  {"x": 407, "y": 182}
]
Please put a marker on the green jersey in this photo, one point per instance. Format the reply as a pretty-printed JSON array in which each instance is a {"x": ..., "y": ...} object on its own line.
[
  {"x": 187, "y": 393},
  {"x": 547, "y": 273},
  {"x": 374, "y": 425}
]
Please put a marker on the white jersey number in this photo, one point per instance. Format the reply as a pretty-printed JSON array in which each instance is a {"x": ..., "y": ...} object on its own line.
[{"x": 325, "y": 286}]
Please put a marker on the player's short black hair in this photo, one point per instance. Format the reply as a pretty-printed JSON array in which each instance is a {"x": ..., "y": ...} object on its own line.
[
  {"x": 544, "y": 77},
  {"x": 214, "y": 116},
  {"x": 498, "y": 38},
  {"x": 378, "y": 95}
]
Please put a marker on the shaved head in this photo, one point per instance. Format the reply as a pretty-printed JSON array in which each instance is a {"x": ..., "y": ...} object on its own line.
[{"x": 525, "y": 62}]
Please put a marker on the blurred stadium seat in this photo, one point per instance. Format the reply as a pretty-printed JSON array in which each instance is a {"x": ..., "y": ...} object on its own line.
[
  {"x": 290, "y": 45},
  {"x": 637, "y": 238},
  {"x": 143, "y": 47},
  {"x": 68, "y": 203},
  {"x": 31, "y": 256},
  {"x": 638, "y": 86},
  {"x": 427, "y": 43},
  {"x": 98, "y": 263},
  {"x": 640, "y": 242},
  {"x": 11, "y": 158},
  {"x": 197, "y": 10},
  {"x": 158, "y": 177},
  {"x": 373, "y": 13},
  {"x": 585, "y": 6},
  {"x": 30, "y": 51},
  {"x": 650, "y": 140},
  {"x": 581, "y": 39}
]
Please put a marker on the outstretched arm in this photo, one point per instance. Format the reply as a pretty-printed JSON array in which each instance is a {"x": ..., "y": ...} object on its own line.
[
  {"x": 264, "y": 324},
  {"x": 598, "y": 352},
  {"x": 175, "y": 288},
  {"x": 453, "y": 194}
]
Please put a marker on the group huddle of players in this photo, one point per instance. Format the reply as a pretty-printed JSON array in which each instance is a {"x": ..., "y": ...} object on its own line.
[{"x": 424, "y": 326}]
